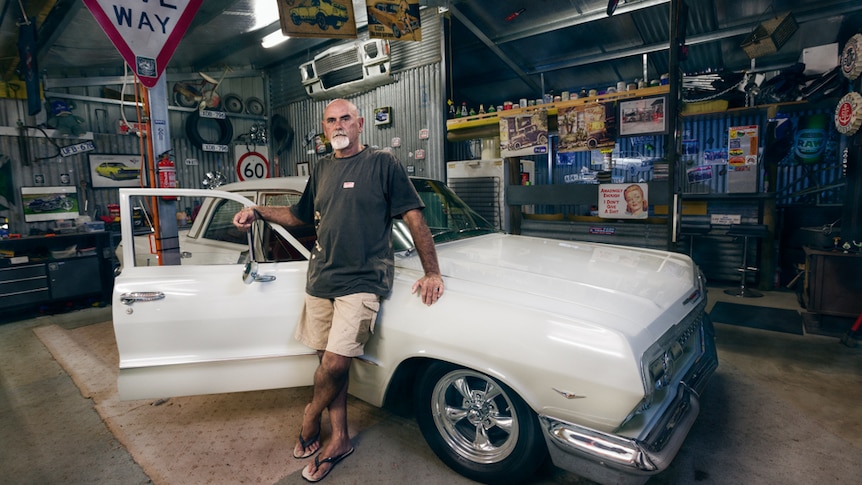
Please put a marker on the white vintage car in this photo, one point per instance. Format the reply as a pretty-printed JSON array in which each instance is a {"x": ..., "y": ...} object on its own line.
[{"x": 593, "y": 354}]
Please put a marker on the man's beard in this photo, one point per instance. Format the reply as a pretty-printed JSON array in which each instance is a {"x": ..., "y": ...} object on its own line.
[{"x": 340, "y": 142}]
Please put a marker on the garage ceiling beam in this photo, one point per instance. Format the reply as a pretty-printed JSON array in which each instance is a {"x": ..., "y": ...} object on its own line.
[
  {"x": 496, "y": 50},
  {"x": 572, "y": 21},
  {"x": 812, "y": 15}
]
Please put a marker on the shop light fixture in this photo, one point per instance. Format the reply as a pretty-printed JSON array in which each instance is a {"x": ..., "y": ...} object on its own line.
[
  {"x": 265, "y": 12},
  {"x": 273, "y": 39}
]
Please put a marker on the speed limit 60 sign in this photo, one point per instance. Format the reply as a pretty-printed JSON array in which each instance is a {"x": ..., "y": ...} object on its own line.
[{"x": 252, "y": 165}]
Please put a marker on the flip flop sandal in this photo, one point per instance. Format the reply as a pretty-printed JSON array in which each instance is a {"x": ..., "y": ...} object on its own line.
[
  {"x": 305, "y": 444},
  {"x": 317, "y": 462}
]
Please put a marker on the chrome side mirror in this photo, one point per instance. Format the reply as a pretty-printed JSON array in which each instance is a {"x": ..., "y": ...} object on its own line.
[{"x": 250, "y": 273}]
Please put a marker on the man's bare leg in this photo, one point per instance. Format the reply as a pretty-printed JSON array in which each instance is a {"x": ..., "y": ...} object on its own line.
[
  {"x": 310, "y": 427},
  {"x": 330, "y": 392}
]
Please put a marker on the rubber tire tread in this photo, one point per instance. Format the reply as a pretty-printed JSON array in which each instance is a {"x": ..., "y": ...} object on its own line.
[{"x": 194, "y": 135}]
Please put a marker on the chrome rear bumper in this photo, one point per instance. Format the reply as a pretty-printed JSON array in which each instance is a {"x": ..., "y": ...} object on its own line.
[{"x": 605, "y": 457}]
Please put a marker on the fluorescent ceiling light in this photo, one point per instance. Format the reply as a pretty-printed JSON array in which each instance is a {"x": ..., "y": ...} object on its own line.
[
  {"x": 265, "y": 13},
  {"x": 273, "y": 39}
]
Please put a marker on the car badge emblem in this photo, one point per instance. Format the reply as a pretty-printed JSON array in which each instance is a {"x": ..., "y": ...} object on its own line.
[{"x": 568, "y": 395}]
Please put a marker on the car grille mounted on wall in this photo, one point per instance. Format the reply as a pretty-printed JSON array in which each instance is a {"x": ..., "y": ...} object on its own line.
[{"x": 347, "y": 69}]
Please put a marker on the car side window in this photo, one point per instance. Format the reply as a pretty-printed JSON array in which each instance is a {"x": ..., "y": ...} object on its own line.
[
  {"x": 221, "y": 228},
  {"x": 305, "y": 234},
  {"x": 277, "y": 249},
  {"x": 280, "y": 199},
  {"x": 435, "y": 210}
]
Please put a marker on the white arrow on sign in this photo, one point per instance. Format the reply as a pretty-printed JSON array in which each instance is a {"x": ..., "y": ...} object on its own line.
[{"x": 145, "y": 32}]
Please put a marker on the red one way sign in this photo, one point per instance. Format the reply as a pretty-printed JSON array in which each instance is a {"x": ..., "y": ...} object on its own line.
[{"x": 146, "y": 32}]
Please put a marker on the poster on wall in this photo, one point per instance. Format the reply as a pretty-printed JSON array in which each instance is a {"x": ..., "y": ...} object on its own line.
[
  {"x": 586, "y": 127},
  {"x": 742, "y": 146},
  {"x": 317, "y": 18},
  {"x": 523, "y": 134},
  {"x": 114, "y": 170},
  {"x": 623, "y": 201},
  {"x": 49, "y": 203},
  {"x": 394, "y": 19},
  {"x": 643, "y": 116},
  {"x": 699, "y": 174},
  {"x": 715, "y": 156}
]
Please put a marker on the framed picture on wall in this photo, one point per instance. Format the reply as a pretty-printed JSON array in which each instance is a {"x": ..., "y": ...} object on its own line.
[
  {"x": 109, "y": 170},
  {"x": 382, "y": 116},
  {"x": 302, "y": 169},
  {"x": 645, "y": 116},
  {"x": 49, "y": 203}
]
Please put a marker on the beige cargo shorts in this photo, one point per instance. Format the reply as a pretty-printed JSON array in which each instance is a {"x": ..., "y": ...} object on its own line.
[{"x": 340, "y": 325}]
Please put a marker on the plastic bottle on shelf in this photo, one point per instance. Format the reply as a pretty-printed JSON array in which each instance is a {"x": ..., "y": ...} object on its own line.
[
  {"x": 451, "y": 109},
  {"x": 481, "y": 109},
  {"x": 464, "y": 112},
  {"x": 491, "y": 109}
]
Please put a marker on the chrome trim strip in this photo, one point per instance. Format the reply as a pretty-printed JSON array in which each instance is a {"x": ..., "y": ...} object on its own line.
[{"x": 166, "y": 362}]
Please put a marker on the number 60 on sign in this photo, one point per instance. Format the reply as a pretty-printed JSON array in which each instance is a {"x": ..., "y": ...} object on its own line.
[{"x": 252, "y": 165}]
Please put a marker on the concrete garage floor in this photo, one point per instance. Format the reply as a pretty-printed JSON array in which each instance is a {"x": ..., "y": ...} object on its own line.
[{"x": 780, "y": 409}]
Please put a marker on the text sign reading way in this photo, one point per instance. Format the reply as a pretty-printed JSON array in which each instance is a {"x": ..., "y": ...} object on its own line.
[{"x": 145, "y": 32}]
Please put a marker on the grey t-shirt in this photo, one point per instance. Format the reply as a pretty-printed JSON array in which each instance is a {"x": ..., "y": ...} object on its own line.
[{"x": 352, "y": 202}]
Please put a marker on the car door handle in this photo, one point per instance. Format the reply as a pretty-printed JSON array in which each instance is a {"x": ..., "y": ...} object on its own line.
[{"x": 129, "y": 298}]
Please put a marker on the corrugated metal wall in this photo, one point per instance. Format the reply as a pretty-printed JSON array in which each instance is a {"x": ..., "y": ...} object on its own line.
[
  {"x": 99, "y": 107},
  {"x": 417, "y": 98},
  {"x": 417, "y": 102}
]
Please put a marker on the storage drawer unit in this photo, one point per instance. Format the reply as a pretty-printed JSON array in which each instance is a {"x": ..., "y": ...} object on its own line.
[
  {"x": 58, "y": 270},
  {"x": 74, "y": 277},
  {"x": 23, "y": 285},
  {"x": 832, "y": 283}
]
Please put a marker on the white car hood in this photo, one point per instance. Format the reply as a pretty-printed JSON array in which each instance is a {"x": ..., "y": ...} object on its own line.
[{"x": 610, "y": 286}]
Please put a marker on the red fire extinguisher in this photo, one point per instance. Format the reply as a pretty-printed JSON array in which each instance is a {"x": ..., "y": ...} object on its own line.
[{"x": 167, "y": 175}]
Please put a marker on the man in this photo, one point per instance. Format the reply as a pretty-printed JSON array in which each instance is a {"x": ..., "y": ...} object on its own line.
[{"x": 351, "y": 197}]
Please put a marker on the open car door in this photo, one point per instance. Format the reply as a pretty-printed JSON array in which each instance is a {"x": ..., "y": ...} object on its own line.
[{"x": 211, "y": 328}]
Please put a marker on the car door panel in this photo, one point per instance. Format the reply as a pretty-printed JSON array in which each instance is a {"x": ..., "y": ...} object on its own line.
[
  {"x": 210, "y": 332},
  {"x": 238, "y": 324}
]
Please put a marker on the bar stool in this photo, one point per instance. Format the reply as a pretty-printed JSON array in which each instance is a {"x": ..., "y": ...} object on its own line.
[
  {"x": 692, "y": 229},
  {"x": 746, "y": 231}
]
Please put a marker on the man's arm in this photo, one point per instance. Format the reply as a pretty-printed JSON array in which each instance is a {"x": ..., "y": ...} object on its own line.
[
  {"x": 277, "y": 214},
  {"x": 430, "y": 286}
]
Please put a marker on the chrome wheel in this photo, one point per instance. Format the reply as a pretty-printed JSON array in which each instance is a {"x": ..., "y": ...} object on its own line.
[
  {"x": 474, "y": 416},
  {"x": 478, "y": 426}
]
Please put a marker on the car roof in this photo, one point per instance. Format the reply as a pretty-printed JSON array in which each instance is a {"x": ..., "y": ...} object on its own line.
[
  {"x": 286, "y": 183},
  {"x": 275, "y": 183}
]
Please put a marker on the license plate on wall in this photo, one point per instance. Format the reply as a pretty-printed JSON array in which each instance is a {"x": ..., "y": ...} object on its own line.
[{"x": 70, "y": 150}]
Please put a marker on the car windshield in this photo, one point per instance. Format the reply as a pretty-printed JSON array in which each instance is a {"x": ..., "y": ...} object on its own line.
[{"x": 448, "y": 217}]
